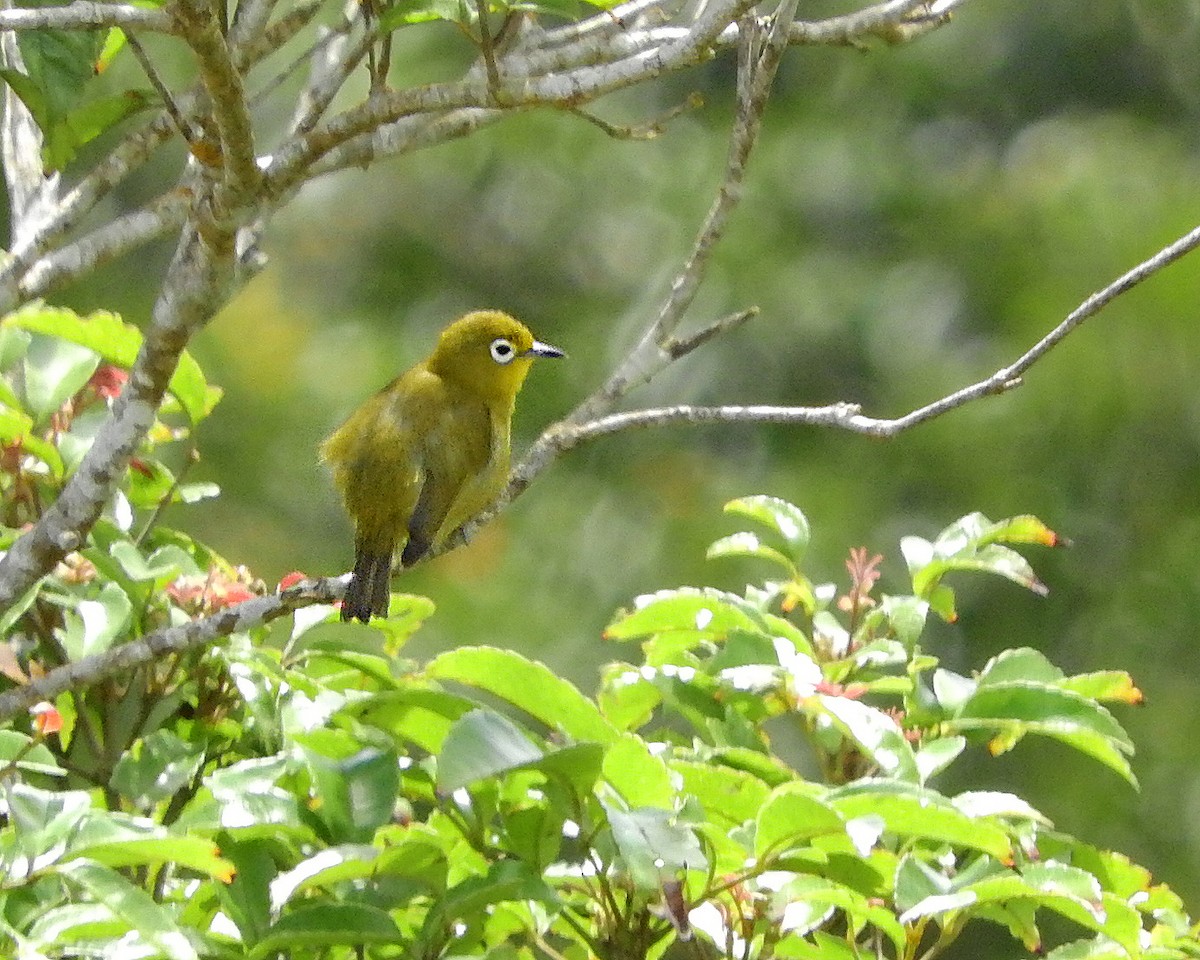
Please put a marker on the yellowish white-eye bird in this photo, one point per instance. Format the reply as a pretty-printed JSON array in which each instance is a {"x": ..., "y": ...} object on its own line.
[{"x": 430, "y": 450}]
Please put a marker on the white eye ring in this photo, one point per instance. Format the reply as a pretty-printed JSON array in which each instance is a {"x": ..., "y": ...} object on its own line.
[{"x": 502, "y": 350}]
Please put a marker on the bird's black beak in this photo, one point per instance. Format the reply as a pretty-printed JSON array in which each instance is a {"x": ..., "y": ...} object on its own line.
[{"x": 539, "y": 349}]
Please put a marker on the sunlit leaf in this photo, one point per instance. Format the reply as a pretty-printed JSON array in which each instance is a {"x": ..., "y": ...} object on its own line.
[{"x": 526, "y": 684}]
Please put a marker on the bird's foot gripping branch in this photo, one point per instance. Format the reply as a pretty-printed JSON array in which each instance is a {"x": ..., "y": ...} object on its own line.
[{"x": 760, "y": 773}]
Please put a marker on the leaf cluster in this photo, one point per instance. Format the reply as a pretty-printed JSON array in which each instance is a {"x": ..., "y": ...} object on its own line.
[{"x": 302, "y": 789}]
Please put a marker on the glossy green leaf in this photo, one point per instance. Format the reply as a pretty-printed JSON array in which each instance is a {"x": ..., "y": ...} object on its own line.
[
  {"x": 118, "y": 342},
  {"x": 730, "y": 797},
  {"x": 706, "y": 613},
  {"x": 42, "y": 819},
  {"x": 337, "y": 864},
  {"x": 21, "y": 752},
  {"x": 746, "y": 544},
  {"x": 326, "y": 925},
  {"x": 920, "y": 814},
  {"x": 97, "y": 623},
  {"x": 85, "y": 122},
  {"x": 482, "y": 744},
  {"x": 55, "y": 370},
  {"x": 627, "y": 699},
  {"x": 937, "y": 754},
  {"x": 1019, "y": 707},
  {"x": 875, "y": 733},
  {"x": 640, "y": 777},
  {"x": 356, "y": 785},
  {"x": 1022, "y": 664},
  {"x": 784, "y": 519},
  {"x": 155, "y": 768},
  {"x": 526, "y": 684},
  {"x": 791, "y": 816},
  {"x": 150, "y": 921},
  {"x": 654, "y": 845},
  {"x": 420, "y": 717}
]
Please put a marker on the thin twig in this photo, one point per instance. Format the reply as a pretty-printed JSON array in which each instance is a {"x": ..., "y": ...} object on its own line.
[
  {"x": 488, "y": 50},
  {"x": 182, "y": 127}
]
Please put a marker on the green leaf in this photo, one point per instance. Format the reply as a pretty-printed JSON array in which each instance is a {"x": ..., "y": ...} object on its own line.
[
  {"x": 334, "y": 865},
  {"x": 1107, "y": 686},
  {"x": 42, "y": 819},
  {"x": 15, "y": 427},
  {"x": 921, "y": 814},
  {"x": 640, "y": 777},
  {"x": 246, "y": 900},
  {"x": 653, "y": 845},
  {"x": 730, "y": 797},
  {"x": 356, "y": 785},
  {"x": 526, "y": 684},
  {"x": 33, "y": 757},
  {"x": 746, "y": 544},
  {"x": 421, "y": 717},
  {"x": 975, "y": 543},
  {"x": 85, "y": 122},
  {"x": 152, "y": 922},
  {"x": 117, "y": 342},
  {"x": 705, "y": 613},
  {"x": 784, "y": 519},
  {"x": 193, "y": 853},
  {"x": 482, "y": 744},
  {"x": 873, "y": 731},
  {"x": 55, "y": 370},
  {"x": 246, "y": 797},
  {"x": 97, "y": 623},
  {"x": 506, "y": 880},
  {"x": 155, "y": 768},
  {"x": 790, "y": 817},
  {"x": 1016, "y": 708},
  {"x": 1022, "y": 664},
  {"x": 627, "y": 699},
  {"x": 325, "y": 925},
  {"x": 936, "y": 755}
]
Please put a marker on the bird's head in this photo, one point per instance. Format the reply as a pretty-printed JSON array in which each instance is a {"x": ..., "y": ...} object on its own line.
[{"x": 489, "y": 353}]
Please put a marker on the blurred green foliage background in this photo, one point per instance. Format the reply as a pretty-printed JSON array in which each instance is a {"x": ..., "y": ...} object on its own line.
[{"x": 914, "y": 218}]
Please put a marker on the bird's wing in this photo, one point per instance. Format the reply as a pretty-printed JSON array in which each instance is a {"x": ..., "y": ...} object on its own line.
[
  {"x": 376, "y": 463},
  {"x": 454, "y": 432}
]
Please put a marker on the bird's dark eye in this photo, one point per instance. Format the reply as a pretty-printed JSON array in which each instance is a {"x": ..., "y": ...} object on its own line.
[{"x": 502, "y": 350}]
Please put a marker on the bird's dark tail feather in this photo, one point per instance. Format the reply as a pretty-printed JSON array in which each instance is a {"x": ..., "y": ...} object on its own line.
[{"x": 370, "y": 586}]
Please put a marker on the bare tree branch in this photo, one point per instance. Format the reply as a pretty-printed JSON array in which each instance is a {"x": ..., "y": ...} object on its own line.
[
  {"x": 85, "y": 15},
  {"x": 31, "y": 193},
  {"x": 204, "y": 35}
]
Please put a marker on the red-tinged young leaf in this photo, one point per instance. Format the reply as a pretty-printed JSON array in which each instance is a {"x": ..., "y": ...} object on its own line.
[
  {"x": 46, "y": 718},
  {"x": 291, "y": 579}
]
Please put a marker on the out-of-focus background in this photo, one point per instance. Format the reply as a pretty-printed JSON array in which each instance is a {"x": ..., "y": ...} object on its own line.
[{"x": 914, "y": 218}]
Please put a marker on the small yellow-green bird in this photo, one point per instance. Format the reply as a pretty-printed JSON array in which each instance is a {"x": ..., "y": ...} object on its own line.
[{"x": 430, "y": 450}]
